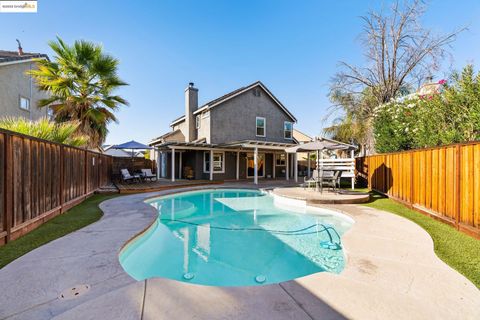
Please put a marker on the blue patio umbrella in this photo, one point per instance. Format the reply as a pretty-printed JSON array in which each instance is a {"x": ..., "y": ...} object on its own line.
[{"x": 133, "y": 145}]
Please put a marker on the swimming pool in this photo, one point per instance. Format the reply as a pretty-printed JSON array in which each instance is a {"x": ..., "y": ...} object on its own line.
[{"x": 235, "y": 237}]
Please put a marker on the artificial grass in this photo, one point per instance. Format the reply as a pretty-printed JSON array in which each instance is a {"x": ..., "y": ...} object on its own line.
[
  {"x": 458, "y": 250},
  {"x": 77, "y": 217}
]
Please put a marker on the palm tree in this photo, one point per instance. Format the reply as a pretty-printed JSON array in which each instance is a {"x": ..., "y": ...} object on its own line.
[{"x": 81, "y": 82}]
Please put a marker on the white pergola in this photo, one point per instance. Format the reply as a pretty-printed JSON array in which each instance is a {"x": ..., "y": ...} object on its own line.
[{"x": 247, "y": 145}]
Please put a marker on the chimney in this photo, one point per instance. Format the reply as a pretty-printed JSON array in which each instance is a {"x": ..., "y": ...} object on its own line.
[
  {"x": 191, "y": 104},
  {"x": 20, "y": 50}
]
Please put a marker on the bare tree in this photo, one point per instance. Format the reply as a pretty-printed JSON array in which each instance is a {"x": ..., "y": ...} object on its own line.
[{"x": 398, "y": 52}]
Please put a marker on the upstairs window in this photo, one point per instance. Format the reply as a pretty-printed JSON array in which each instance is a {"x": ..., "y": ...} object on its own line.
[
  {"x": 24, "y": 103},
  {"x": 288, "y": 130},
  {"x": 197, "y": 122},
  {"x": 260, "y": 126}
]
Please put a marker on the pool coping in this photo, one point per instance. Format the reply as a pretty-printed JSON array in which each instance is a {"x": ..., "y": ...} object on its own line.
[{"x": 382, "y": 249}]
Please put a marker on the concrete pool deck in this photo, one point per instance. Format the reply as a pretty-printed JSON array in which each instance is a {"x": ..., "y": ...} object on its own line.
[
  {"x": 392, "y": 272},
  {"x": 312, "y": 197}
]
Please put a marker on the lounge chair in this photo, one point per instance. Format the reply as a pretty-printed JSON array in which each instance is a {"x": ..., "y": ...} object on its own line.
[
  {"x": 147, "y": 174},
  {"x": 127, "y": 177}
]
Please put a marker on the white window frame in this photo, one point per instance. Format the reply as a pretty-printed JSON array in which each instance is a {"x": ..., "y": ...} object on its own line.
[
  {"x": 205, "y": 161},
  {"x": 277, "y": 157},
  {"x": 285, "y": 131},
  {"x": 20, "y": 98},
  {"x": 264, "y": 127},
  {"x": 198, "y": 122}
]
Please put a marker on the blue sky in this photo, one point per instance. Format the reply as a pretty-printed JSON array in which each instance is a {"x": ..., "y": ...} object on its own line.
[{"x": 293, "y": 47}]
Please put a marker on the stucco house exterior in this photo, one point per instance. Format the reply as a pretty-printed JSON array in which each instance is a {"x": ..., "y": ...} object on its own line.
[
  {"x": 240, "y": 135},
  {"x": 18, "y": 93}
]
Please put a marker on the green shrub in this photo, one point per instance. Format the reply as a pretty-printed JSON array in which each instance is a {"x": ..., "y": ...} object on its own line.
[
  {"x": 450, "y": 115},
  {"x": 64, "y": 132}
]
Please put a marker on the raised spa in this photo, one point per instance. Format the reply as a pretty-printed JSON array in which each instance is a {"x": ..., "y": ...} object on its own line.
[{"x": 227, "y": 237}]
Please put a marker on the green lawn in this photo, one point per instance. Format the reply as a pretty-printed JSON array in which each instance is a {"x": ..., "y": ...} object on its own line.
[
  {"x": 77, "y": 217},
  {"x": 457, "y": 249}
]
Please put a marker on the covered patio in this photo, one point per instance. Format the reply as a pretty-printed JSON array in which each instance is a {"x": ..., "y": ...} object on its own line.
[{"x": 243, "y": 160}]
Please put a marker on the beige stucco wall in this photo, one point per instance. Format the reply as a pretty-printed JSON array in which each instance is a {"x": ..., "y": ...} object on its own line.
[{"x": 13, "y": 84}]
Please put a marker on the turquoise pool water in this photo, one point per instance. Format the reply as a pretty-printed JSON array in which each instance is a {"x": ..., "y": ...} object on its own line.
[{"x": 228, "y": 237}]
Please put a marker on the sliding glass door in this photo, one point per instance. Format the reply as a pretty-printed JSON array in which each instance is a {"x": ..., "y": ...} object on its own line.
[{"x": 251, "y": 166}]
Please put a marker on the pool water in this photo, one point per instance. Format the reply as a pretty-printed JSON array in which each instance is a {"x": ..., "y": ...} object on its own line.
[{"x": 228, "y": 237}]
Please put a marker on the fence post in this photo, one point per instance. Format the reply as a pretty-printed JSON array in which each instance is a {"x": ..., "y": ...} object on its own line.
[
  {"x": 8, "y": 185},
  {"x": 85, "y": 173},
  {"x": 62, "y": 157},
  {"x": 457, "y": 186},
  {"x": 412, "y": 176},
  {"x": 369, "y": 178}
]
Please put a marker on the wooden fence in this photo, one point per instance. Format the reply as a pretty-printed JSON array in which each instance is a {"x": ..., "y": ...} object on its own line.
[
  {"x": 40, "y": 179},
  {"x": 442, "y": 182}
]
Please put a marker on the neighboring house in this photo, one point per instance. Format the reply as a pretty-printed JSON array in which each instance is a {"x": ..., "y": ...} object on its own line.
[
  {"x": 18, "y": 93},
  {"x": 240, "y": 135},
  {"x": 121, "y": 153}
]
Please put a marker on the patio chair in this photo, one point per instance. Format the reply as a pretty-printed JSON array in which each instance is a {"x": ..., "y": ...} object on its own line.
[
  {"x": 127, "y": 177},
  {"x": 147, "y": 174},
  {"x": 312, "y": 180},
  {"x": 188, "y": 173},
  {"x": 331, "y": 179}
]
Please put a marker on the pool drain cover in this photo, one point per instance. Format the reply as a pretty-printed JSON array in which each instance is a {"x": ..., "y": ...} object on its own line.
[
  {"x": 188, "y": 276},
  {"x": 260, "y": 278},
  {"x": 74, "y": 292}
]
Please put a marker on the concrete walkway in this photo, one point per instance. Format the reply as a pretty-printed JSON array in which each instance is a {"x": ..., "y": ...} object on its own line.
[{"x": 391, "y": 273}]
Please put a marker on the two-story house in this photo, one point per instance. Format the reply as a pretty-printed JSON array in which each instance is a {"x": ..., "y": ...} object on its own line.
[
  {"x": 240, "y": 135},
  {"x": 18, "y": 93}
]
